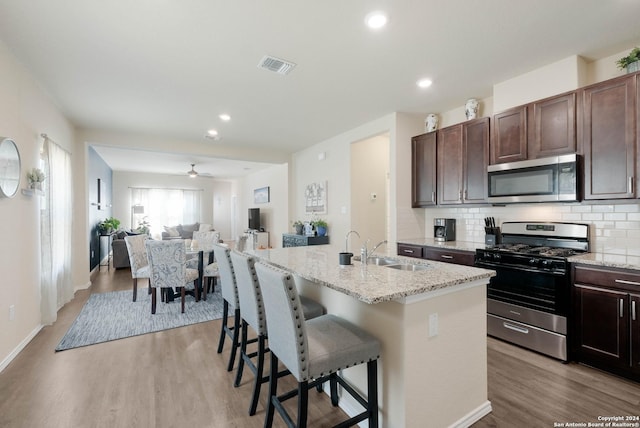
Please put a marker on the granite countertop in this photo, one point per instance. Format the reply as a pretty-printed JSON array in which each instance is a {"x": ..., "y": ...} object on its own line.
[
  {"x": 607, "y": 260},
  {"x": 371, "y": 283}
]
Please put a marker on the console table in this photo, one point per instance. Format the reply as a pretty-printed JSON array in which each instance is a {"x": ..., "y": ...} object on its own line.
[
  {"x": 293, "y": 240},
  {"x": 109, "y": 237}
]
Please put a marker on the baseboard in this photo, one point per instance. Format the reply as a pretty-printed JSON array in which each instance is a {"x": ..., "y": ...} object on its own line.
[
  {"x": 474, "y": 416},
  {"x": 19, "y": 348}
]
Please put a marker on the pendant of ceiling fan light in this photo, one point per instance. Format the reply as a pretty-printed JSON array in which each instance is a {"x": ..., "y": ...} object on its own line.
[{"x": 193, "y": 173}]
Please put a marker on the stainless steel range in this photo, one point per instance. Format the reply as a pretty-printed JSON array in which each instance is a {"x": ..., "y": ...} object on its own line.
[{"x": 529, "y": 298}]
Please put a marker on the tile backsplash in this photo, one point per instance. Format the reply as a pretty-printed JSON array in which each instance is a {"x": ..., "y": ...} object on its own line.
[{"x": 615, "y": 228}]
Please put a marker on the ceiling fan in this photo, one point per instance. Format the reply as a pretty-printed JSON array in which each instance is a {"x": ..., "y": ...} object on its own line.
[{"x": 193, "y": 173}]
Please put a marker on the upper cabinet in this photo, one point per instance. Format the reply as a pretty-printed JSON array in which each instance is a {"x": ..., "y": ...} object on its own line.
[
  {"x": 509, "y": 142},
  {"x": 536, "y": 130},
  {"x": 423, "y": 170},
  {"x": 463, "y": 156},
  {"x": 609, "y": 138}
]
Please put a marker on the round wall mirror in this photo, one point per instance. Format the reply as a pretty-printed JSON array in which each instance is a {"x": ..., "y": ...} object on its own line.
[{"x": 9, "y": 168}]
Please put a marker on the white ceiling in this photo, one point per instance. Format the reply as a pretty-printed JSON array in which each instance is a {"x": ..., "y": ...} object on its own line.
[{"x": 169, "y": 67}]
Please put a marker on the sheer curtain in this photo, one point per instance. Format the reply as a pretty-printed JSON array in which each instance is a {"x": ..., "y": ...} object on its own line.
[
  {"x": 56, "y": 286},
  {"x": 167, "y": 207}
]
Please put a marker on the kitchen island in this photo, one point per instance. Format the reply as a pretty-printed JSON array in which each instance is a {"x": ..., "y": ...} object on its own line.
[{"x": 431, "y": 324}]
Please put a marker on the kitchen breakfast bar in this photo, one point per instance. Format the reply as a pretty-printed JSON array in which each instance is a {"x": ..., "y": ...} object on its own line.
[{"x": 430, "y": 320}]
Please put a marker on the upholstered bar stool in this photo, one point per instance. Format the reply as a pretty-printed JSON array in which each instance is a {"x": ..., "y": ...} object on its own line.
[
  {"x": 313, "y": 350},
  {"x": 252, "y": 310},
  {"x": 229, "y": 291}
]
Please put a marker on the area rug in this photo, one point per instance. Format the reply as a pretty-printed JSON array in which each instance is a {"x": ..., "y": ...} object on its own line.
[{"x": 111, "y": 316}]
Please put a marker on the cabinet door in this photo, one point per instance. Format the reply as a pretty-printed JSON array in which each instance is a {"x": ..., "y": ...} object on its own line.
[
  {"x": 509, "y": 142},
  {"x": 635, "y": 333},
  {"x": 608, "y": 139},
  {"x": 423, "y": 170},
  {"x": 476, "y": 159},
  {"x": 449, "y": 256},
  {"x": 552, "y": 126},
  {"x": 410, "y": 250},
  {"x": 450, "y": 165},
  {"x": 602, "y": 326}
]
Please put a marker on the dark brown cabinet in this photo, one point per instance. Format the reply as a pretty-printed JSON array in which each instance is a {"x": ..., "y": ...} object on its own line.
[
  {"x": 463, "y": 156},
  {"x": 608, "y": 138},
  {"x": 536, "y": 130},
  {"x": 410, "y": 250},
  {"x": 509, "y": 141},
  {"x": 607, "y": 330},
  {"x": 423, "y": 170},
  {"x": 552, "y": 126},
  {"x": 459, "y": 257}
]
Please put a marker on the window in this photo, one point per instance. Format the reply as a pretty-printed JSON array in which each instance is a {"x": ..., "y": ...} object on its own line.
[{"x": 166, "y": 207}]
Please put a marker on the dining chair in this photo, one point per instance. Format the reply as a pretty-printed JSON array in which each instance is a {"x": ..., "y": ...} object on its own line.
[
  {"x": 252, "y": 311},
  {"x": 205, "y": 242},
  {"x": 138, "y": 261},
  {"x": 229, "y": 291},
  {"x": 168, "y": 266},
  {"x": 313, "y": 350}
]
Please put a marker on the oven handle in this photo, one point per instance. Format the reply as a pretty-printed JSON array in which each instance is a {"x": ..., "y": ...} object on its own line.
[
  {"x": 521, "y": 269},
  {"x": 516, "y": 328}
]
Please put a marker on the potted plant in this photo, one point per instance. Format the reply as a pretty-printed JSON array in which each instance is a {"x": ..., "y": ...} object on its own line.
[
  {"x": 320, "y": 226},
  {"x": 36, "y": 178},
  {"x": 630, "y": 62},
  {"x": 109, "y": 225},
  {"x": 298, "y": 226}
]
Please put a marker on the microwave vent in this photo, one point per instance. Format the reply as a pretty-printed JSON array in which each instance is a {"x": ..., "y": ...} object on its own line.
[{"x": 276, "y": 65}]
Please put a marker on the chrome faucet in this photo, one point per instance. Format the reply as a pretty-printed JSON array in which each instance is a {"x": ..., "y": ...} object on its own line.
[
  {"x": 365, "y": 253},
  {"x": 375, "y": 247},
  {"x": 346, "y": 240}
]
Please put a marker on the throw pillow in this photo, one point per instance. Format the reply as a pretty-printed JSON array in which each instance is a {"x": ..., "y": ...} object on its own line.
[{"x": 172, "y": 231}]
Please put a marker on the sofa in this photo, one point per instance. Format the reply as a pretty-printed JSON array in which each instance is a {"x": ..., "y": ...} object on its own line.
[
  {"x": 184, "y": 231},
  {"x": 120, "y": 255}
]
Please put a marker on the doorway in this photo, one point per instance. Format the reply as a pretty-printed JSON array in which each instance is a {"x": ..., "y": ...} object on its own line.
[{"x": 370, "y": 209}]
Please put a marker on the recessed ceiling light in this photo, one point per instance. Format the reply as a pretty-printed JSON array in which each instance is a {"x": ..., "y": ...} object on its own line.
[
  {"x": 212, "y": 132},
  {"x": 225, "y": 117},
  {"x": 424, "y": 83},
  {"x": 375, "y": 20}
]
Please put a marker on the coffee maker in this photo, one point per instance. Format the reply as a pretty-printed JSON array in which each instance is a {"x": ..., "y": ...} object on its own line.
[{"x": 444, "y": 229}]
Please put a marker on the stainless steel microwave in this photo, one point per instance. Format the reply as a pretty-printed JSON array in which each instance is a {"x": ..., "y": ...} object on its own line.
[{"x": 553, "y": 179}]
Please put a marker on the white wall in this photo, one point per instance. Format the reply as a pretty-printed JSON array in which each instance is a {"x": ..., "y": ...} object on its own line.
[
  {"x": 274, "y": 216},
  {"x": 25, "y": 112}
]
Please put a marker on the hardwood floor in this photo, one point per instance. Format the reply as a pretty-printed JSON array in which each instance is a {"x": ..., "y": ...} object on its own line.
[{"x": 175, "y": 378}]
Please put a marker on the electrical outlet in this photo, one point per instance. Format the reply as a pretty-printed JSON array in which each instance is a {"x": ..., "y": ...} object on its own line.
[
  {"x": 433, "y": 325},
  {"x": 12, "y": 312}
]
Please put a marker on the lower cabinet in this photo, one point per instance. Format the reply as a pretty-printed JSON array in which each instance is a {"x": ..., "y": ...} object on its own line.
[
  {"x": 459, "y": 257},
  {"x": 438, "y": 254},
  {"x": 606, "y": 321}
]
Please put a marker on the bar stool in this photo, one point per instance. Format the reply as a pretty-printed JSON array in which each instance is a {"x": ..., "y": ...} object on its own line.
[
  {"x": 229, "y": 291},
  {"x": 252, "y": 311},
  {"x": 313, "y": 351}
]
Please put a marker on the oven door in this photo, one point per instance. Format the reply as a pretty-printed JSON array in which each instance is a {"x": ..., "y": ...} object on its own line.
[{"x": 540, "y": 290}]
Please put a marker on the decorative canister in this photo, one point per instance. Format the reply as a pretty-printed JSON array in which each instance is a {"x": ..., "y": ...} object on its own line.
[
  {"x": 431, "y": 123},
  {"x": 471, "y": 108}
]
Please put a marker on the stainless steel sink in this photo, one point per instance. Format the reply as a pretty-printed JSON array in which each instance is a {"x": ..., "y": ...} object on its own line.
[
  {"x": 411, "y": 268},
  {"x": 381, "y": 261}
]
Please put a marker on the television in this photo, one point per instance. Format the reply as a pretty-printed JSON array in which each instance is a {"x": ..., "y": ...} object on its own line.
[{"x": 254, "y": 218}]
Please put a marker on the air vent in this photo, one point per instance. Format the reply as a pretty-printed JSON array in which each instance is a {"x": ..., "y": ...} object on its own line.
[{"x": 276, "y": 65}]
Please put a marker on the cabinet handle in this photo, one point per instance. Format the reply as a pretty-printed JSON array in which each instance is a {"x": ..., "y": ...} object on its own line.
[
  {"x": 433, "y": 197},
  {"x": 408, "y": 251},
  {"x": 621, "y": 308},
  {"x": 444, "y": 256},
  {"x": 516, "y": 328},
  {"x": 633, "y": 310},
  {"x": 630, "y": 185},
  {"x": 466, "y": 194},
  {"x": 460, "y": 193},
  {"x": 623, "y": 281}
]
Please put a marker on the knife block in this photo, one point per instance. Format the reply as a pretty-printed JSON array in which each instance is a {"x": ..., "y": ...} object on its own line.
[{"x": 493, "y": 237}]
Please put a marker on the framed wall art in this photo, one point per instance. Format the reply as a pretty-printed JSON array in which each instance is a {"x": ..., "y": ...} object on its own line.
[
  {"x": 315, "y": 198},
  {"x": 261, "y": 195}
]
